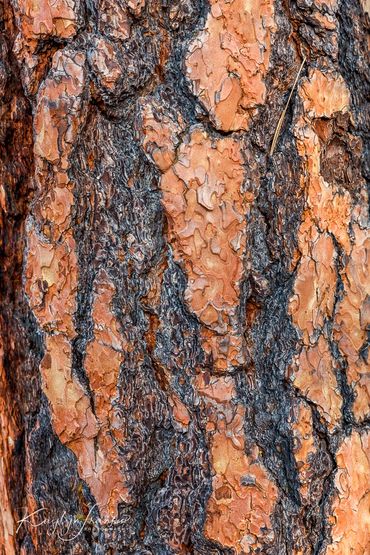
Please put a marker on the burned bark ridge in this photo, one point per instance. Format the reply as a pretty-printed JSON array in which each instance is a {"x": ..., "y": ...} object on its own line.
[{"x": 184, "y": 309}]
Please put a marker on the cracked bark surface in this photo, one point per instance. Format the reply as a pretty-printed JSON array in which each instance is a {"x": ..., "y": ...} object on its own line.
[{"x": 184, "y": 317}]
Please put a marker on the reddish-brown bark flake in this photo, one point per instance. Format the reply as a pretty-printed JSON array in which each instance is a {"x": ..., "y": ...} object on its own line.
[
  {"x": 8, "y": 435},
  {"x": 304, "y": 446},
  {"x": 205, "y": 209},
  {"x": 327, "y": 219},
  {"x": 243, "y": 496},
  {"x": 228, "y": 60},
  {"x": 104, "y": 355},
  {"x": 37, "y": 22},
  {"x": 352, "y": 318},
  {"x": 350, "y": 516}
]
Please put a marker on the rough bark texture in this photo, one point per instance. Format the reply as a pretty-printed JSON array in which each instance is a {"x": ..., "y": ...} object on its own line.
[{"x": 184, "y": 359}]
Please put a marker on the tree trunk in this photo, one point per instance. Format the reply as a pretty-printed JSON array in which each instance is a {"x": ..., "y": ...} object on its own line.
[{"x": 184, "y": 255}]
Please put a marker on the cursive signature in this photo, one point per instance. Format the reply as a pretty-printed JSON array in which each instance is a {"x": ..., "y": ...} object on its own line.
[{"x": 67, "y": 528}]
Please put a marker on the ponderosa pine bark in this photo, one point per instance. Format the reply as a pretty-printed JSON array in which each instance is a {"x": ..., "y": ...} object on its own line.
[{"x": 185, "y": 290}]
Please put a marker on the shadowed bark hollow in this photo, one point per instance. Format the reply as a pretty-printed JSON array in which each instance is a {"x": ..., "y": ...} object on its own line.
[{"x": 184, "y": 277}]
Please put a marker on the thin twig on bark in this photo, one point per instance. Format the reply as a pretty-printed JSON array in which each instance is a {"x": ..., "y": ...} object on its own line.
[{"x": 282, "y": 117}]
